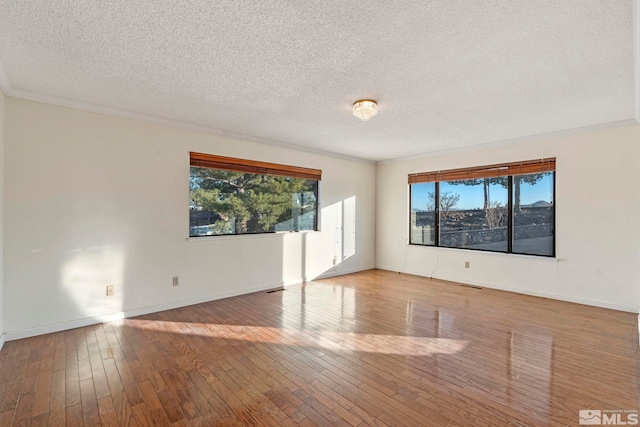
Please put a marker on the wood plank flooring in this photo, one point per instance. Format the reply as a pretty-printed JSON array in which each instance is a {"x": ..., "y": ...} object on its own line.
[{"x": 372, "y": 348}]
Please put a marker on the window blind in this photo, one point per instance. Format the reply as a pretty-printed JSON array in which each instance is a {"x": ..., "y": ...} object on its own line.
[
  {"x": 211, "y": 161},
  {"x": 492, "y": 171}
]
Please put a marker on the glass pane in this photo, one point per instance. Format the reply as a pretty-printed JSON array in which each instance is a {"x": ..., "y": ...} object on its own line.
[
  {"x": 226, "y": 202},
  {"x": 423, "y": 214},
  {"x": 302, "y": 215},
  {"x": 533, "y": 220},
  {"x": 473, "y": 214}
]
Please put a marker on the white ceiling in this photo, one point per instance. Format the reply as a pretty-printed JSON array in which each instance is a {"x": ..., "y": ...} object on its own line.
[{"x": 446, "y": 74}]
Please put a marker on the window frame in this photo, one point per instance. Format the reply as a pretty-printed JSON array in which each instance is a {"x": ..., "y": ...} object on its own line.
[
  {"x": 508, "y": 170},
  {"x": 245, "y": 166}
]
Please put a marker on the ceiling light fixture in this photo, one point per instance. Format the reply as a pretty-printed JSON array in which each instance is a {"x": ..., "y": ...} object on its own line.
[{"x": 365, "y": 109}]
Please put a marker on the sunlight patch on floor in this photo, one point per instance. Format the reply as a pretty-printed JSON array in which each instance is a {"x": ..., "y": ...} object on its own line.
[{"x": 330, "y": 340}]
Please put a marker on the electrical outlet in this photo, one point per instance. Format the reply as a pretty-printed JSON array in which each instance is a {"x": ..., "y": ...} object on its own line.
[
  {"x": 176, "y": 281},
  {"x": 111, "y": 290},
  {"x": 466, "y": 264}
]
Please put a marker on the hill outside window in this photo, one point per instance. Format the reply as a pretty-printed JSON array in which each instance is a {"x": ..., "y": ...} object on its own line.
[
  {"x": 507, "y": 208},
  {"x": 230, "y": 196}
]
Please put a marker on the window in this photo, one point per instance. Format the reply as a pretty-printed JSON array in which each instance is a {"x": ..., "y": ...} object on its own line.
[
  {"x": 236, "y": 196},
  {"x": 423, "y": 213},
  {"x": 501, "y": 208},
  {"x": 533, "y": 213}
]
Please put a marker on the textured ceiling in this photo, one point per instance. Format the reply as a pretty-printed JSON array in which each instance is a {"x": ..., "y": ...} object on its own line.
[{"x": 447, "y": 74}]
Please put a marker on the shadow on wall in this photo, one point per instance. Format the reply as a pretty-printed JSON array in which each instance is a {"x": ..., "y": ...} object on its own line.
[
  {"x": 79, "y": 296},
  {"x": 86, "y": 276},
  {"x": 317, "y": 257},
  {"x": 304, "y": 256}
]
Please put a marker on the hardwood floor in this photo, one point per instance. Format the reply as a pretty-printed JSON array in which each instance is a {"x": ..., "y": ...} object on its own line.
[{"x": 372, "y": 348}]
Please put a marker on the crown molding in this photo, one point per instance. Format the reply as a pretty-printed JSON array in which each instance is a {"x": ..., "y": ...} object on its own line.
[
  {"x": 177, "y": 124},
  {"x": 9, "y": 90},
  {"x": 162, "y": 121},
  {"x": 5, "y": 83},
  {"x": 537, "y": 137}
]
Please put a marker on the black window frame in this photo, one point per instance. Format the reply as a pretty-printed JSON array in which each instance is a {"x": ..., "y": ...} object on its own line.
[
  {"x": 259, "y": 168},
  {"x": 511, "y": 172}
]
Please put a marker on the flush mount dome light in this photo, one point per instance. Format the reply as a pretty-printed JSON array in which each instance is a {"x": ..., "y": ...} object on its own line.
[{"x": 365, "y": 109}]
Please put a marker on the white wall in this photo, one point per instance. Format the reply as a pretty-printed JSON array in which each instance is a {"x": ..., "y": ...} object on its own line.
[
  {"x": 597, "y": 211},
  {"x": 2, "y": 108},
  {"x": 92, "y": 200}
]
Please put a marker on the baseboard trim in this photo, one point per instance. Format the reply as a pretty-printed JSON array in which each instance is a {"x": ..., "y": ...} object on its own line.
[
  {"x": 394, "y": 270},
  {"x": 79, "y": 323},
  {"x": 88, "y": 321},
  {"x": 325, "y": 275},
  {"x": 330, "y": 273},
  {"x": 583, "y": 301},
  {"x": 565, "y": 298}
]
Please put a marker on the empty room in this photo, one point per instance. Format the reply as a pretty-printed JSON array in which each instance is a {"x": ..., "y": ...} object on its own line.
[{"x": 281, "y": 213}]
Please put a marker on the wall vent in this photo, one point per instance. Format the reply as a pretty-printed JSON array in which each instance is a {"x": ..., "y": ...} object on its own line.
[{"x": 471, "y": 286}]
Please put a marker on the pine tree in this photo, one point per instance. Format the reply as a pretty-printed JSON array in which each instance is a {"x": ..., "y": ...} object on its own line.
[{"x": 249, "y": 203}]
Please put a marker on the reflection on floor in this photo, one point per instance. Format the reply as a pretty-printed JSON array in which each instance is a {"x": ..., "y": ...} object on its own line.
[{"x": 372, "y": 348}]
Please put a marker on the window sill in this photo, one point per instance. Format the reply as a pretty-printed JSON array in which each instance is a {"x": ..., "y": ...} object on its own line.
[
  {"x": 248, "y": 236},
  {"x": 486, "y": 252}
]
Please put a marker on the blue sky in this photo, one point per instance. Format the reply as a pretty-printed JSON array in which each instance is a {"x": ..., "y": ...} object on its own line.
[{"x": 472, "y": 197}]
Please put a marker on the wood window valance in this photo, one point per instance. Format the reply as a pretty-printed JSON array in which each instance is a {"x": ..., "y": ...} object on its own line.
[
  {"x": 492, "y": 171},
  {"x": 211, "y": 161}
]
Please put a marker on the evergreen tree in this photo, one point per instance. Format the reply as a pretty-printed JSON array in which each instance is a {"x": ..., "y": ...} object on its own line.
[
  {"x": 503, "y": 181},
  {"x": 249, "y": 203}
]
